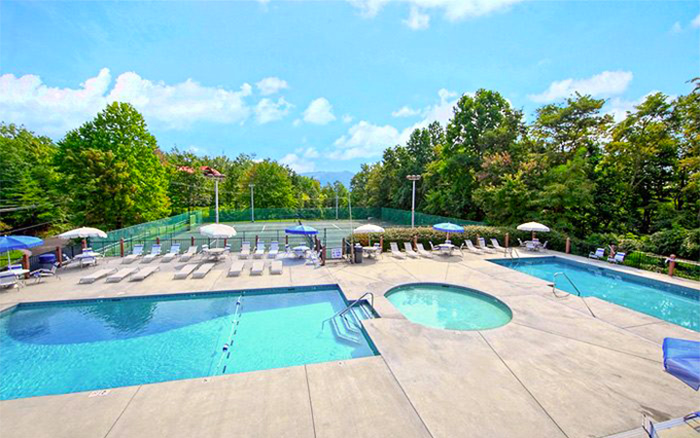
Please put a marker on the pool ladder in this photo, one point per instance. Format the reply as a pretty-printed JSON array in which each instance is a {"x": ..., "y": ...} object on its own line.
[
  {"x": 354, "y": 328},
  {"x": 578, "y": 291}
]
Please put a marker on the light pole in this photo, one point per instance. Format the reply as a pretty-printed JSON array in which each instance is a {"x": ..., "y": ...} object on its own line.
[
  {"x": 252, "y": 202},
  {"x": 413, "y": 178},
  {"x": 336, "y": 205}
]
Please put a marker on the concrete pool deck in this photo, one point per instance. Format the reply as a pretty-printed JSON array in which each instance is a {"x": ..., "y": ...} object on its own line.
[{"x": 553, "y": 371}]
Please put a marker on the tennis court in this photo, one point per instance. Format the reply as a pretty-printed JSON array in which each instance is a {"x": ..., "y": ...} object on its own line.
[{"x": 330, "y": 232}]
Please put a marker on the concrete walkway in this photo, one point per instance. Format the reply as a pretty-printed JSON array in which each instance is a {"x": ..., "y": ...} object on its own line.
[{"x": 553, "y": 371}]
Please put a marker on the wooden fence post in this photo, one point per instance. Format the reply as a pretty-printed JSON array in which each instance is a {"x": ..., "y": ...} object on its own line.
[
  {"x": 415, "y": 241},
  {"x": 192, "y": 241},
  {"x": 157, "y": 240},
  {"x": 507, "y": 240},
  {"x": 342, "y": 252},
  {"x": 568, "y": 245},
  {"x": 381, "y": 242},
  {"x": 25, "y": 264},
  {"x": 84, "y": 243},
  {"x": 671, "y": 265},
  {"x": 323, "y": 256},
  {"x": 59, "y": 256},
  {"x": 121, "y": 247}
]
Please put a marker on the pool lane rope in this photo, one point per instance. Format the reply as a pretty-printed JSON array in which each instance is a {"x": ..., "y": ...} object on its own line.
[{"x": 228, "y": 344}]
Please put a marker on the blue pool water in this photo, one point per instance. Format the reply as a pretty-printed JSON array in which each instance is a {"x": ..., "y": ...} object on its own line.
[
  {"x": 449, "y": 307},
  {"x": 56, "y": 348},
  {"x": 675, "y": 304}
]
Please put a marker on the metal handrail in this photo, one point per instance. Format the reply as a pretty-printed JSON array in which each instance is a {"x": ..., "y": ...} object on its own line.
[
  {"x": 554, "y": 282},
  {"x": 350, "y": 306}
]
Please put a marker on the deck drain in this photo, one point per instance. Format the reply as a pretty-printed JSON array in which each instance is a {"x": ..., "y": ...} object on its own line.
[{"x": 99, "y": 393}]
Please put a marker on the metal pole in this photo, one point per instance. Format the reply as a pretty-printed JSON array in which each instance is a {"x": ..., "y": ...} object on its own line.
[
  {"x": 216, "y": 196},
  {"x": 252, "y": 203},
  {"x": 336, "y": 205},
  {"x": 413, "y": 178}
]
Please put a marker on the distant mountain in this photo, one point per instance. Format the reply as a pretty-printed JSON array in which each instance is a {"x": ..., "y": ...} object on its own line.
[{"x": 331, "y": 177}]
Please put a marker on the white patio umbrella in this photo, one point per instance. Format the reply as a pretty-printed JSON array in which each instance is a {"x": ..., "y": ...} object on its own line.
[
  {"x": 534, "y": 227},
  {"x": 217, "y": 231},
  {"x": 368, "y": 228},
  {"x": 83, "y": 233}
]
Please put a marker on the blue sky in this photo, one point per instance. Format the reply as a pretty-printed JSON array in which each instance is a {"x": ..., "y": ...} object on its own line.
[{"x": 328, "y": 85}]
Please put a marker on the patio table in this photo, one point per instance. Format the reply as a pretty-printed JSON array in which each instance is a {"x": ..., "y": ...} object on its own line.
[{"x": 372, "y": 251}]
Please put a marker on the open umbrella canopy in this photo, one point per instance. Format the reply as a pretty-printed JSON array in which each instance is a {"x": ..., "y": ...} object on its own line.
[
  {"x": 301, "y": 229},
  {"x": 82, "y": 233},
  {"x": 449, "y": 227},
  {"x": 368, "y": 228},
  {"x": 9, "y": 243},
  {"x": 533, "y": 226},
  {"x": 217, "y": 231}
]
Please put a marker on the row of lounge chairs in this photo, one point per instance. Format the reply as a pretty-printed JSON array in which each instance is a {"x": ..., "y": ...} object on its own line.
[
  {"x": 157, "y": 251},
  {"x": 115, "y": 275},
  {"x": 236, "y": 268},
  {"x": 420, "y": 250},
  {"x": 260, "y": 249},
  {"x": 599, "y": 254}
]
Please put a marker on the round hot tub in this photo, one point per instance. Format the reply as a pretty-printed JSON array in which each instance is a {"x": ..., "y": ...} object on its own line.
[{"x": 449, "y": 307}]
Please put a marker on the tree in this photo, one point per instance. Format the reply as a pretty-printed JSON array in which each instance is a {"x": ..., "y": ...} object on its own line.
[
  {"x": 112, "y": 171},
  {"x": 28, "y": 181},
  {"x": 273, "y": 186}
]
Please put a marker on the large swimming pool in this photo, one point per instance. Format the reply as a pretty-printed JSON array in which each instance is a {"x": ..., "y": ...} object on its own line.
[
  {"x": 676, "y": 304},
  {"x": 57, "y": 348}
]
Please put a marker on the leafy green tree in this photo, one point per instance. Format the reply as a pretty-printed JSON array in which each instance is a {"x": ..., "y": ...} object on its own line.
[
  {"x": 308, "y": 191},
  {"x": 111, "y": 169},
  {"x": 273, "y": 186},
  {"x": 28, "y": 179}
]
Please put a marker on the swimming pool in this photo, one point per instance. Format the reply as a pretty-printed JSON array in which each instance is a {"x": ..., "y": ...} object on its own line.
[
  {"x": 449, "y": 307},
  {"x": 676, "y": 304},
  {"x": 63, "y": 347}
]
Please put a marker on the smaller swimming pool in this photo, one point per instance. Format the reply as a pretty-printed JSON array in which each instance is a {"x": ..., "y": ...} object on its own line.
[{"x": 449, "y": 307}]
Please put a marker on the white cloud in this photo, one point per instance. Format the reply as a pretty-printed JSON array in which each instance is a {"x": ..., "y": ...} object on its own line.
[
  {"x": 676, "y": 28},
  {"x": 364, "y": 140},
  {"x": 696, "y": 21},
  {"x": 267, "y": 110},
  {"x": 302, "y": 160},
  {"x": 53, "y": 111},
  {"x": 367, "y": 140},
  {"x": 454, "y": 10},
  {"x": 319, "y": 112},
  {"x": 347, "y": 118},
  {"x": 405, "y": 111},
  {"x": 271, "y": 85},
  {"x": 604, "y": 84},
  {"x": 417, "y": 20},
  {"x": 618, "y": 107}
]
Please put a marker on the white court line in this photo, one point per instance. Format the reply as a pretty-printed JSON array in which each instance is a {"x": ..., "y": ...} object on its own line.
[
  {"x": 336, "y": 226},
  {"x": 263, "y": 228}
]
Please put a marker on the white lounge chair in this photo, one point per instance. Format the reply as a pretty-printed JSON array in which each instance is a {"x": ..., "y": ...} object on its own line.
[
  {"x": 543, "y": 247},
  {"x": 245, "y": 250},
  {"x": 259, "y": 251},
  {"x": 120, "y": 275},
  {"x": 618, "y": 258},
  {"x": 481, "y": 242},
  {"x": 185, "y": 271},
  {"x": 496, "y": 245},
  {"x": 521, "y": 243},
  {"x": 143, "y": 273},
  {"x": 88, "y": 279},
  {"x": 470, "y": 246},
  {"x": 598, "y": 254},
  {"x": 422, "y": 251},
  {"x": 155, "y": 252},
  {"x": 276, "y": 267},
  {"x": 40, "y": 273},
  {"x": 203, "y": 270},
  {"x": 8, "y": 281},
  {"x": 136, "y": 252},
  {"x": 236, "y": 268},
  {"x": 191, "y": 252},
  {"x": 395, "y": 251},
  {"x": 172, "y": 254},
  {"x": 274, "y": 250},
  {"x": 409, "y": 250},
  {"x": 257, "y": 267}
]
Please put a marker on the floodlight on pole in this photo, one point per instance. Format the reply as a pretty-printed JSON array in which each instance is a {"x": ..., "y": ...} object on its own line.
[
  {"x": 252, "y": 202},
  {"x": 214, "y": 174},
  {"x": 413, "y": 178}
]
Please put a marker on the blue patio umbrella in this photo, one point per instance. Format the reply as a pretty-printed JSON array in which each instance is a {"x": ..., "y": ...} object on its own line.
[
  {"x": 448, "y": 228},
  {"x": 9, "y": 243},
  {"x": 301, "y": 229}
]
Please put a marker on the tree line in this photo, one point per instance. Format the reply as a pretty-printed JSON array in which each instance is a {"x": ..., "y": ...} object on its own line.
[
  {"x": 110, "y": 173},
  {"x": 573, "y": 167}
]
